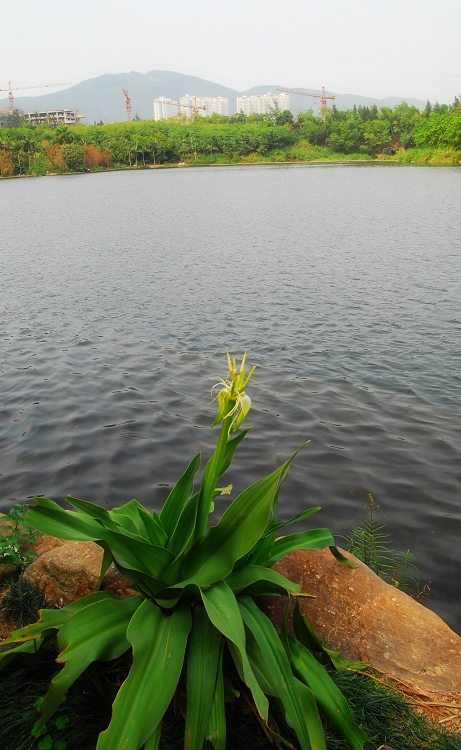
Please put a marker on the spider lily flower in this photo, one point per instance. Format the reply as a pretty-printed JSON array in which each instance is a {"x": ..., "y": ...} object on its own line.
[{"x": 232, "y": 399}]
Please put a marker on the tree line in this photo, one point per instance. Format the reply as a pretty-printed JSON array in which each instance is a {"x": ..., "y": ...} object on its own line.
[{"x": 361, "y": 132}]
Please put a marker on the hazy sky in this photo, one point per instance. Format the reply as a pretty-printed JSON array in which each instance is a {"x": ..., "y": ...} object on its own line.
[{"x": 404, "y": 48}]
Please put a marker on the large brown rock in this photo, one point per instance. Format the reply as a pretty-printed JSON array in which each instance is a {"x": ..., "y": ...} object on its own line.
[
  {"x": 67, "y": 572},
  {"x": 357, "y": 613}
]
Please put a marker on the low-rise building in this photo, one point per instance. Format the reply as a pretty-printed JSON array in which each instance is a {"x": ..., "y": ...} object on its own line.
[{"x": 54, "y": 117}]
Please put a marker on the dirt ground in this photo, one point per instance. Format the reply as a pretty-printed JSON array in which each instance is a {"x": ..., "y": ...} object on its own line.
[{"x": 442, "y": 709}]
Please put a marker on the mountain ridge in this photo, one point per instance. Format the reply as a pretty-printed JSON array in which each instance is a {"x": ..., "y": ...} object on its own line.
[{"x": 101, "y": 98}]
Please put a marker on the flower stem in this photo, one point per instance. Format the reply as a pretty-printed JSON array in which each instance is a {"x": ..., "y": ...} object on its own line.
[{"x": 211, "y": 476}]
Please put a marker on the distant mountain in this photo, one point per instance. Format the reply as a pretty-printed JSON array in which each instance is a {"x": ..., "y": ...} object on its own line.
[{"x": 102, "y": 98}]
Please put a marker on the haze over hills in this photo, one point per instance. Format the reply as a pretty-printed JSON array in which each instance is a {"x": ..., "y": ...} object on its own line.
[{"x": 101, "y": 98}]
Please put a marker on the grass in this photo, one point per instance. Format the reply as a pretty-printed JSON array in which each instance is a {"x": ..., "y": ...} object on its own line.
[
  {"x": 385, "y": 716},
  {"x": 388, "y": 719},
  {"x": 23, "y": 600}
]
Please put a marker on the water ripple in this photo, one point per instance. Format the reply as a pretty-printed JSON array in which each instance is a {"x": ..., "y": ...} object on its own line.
[{"x": 121, "y": 292}]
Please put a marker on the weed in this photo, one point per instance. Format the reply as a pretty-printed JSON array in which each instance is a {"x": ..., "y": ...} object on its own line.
[{"x": 16, "y": 538}]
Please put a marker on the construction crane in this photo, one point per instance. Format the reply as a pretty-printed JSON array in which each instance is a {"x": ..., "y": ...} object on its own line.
[
  {"x": 194, "y": 107},
  {"x": 127, "y": 105},
  {"x": 323, "y": 98},
  {"x": 11, "y": 88}
]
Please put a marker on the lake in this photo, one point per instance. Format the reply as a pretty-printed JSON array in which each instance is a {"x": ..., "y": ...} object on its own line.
[{"x": 120, "y": 293}]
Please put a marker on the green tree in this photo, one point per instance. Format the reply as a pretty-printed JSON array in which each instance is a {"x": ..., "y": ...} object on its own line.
[
  {"x": 285, "y": 118},
  {"x": 73, "y": 156},
  {"x": 63, "y": 134},
  {"x": 376, "y": 136},
  {"x": 347, "y": 136}
]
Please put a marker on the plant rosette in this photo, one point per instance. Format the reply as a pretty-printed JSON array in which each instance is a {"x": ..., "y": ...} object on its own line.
[{"x": 194, "y": 620}]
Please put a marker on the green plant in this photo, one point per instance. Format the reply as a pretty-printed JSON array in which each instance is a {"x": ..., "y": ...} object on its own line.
[
  {"x": 369, "y": 543},
  {"x": 18, "y": 536},
  {"x": 23, "y": 600},
  {"x": 195, "y": 622}
]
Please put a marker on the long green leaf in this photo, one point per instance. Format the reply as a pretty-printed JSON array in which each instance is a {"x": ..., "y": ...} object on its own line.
[
  {"x": 276, "y": 498},
  {"x": 53, "y": 619},
  {"x": 144, "y": 582},
  {"x": 154, "y": 740},
  {"x": 131, "y": 553},
  {"x": 223, "y": 611},
  {"x": 106, "y": 517},
  {"x": 159, "y": 644},
  {"x": 203, "y": 659},
  {"x": 146, "y": 525},
  {"x": 178, "y": 497},
  {"x": 311, "y": 539},
  {"x": 311, "y": 712},
  {"x": 138, "y": 555},
  {"x": 278, "y": 667},
  {"x": 230, "y": 450},
  {"x": 168, "y": 598},
  {"x": 304, "y": 632},
  {"x": 131, "y": 519},
  {"x": 107, "y": 561},
  {"x": 184, "y": 529},
  {"x": 95, "y": 633},
  {"x": 29, "y": 647},
  {"x": 271, "y": 581},
  {"x": 238, "y": 530},
  {"x": 260, "y": 553},
  {"x": 327, "y": 694},
  {"x": 341, "y": 558},
  {"x": 216, "y": 732},
  {"x": 277, "y": 525},
  {"x": 48, "y": 517},
  {"x": 305, "y": 635}
]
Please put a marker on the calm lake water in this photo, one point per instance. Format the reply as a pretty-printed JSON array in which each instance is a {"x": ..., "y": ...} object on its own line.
[{"x": 120, "y": 293}]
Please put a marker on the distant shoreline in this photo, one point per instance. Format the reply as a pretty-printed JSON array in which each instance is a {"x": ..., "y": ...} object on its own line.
[{"x": 391, "y": 161}]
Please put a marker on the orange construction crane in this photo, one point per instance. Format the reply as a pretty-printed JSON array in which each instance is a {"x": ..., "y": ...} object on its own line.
[
  {"x": 194, "y": 107},
  {"x": 323, "y": 98},
  {"x": 11, "y": 88},
  {"x": 127, "y": 105}
]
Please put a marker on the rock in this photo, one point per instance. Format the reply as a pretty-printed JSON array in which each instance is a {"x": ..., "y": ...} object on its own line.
[
  {"x": 6, "y": 570},
  {"x": 357, "y": 613},
  {"x": 5, "y": 525},
  {"x": 67, "y": 572},
  {"x": 118, "y": 584},
  {"x": 45, "y": 543}
]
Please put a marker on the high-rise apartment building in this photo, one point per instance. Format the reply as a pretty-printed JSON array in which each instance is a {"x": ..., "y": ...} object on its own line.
[
  {"x": 205, "y": 105},
  {"x": 165, "y": 107},
  {"x": 263, "y": 104}
]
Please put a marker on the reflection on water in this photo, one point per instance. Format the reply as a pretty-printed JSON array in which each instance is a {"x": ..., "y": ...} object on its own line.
[{"x": 120, "y": 293}]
